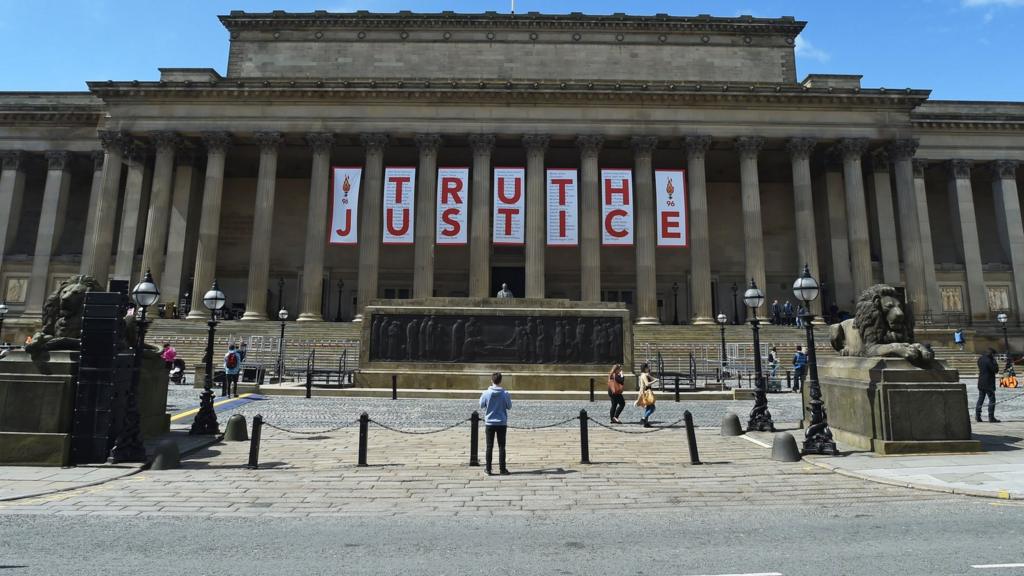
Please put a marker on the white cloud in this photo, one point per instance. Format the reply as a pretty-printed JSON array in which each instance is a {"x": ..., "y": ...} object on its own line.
[
  {"x": 804, "y": 49},
  {"x": 976, "y": 3}
]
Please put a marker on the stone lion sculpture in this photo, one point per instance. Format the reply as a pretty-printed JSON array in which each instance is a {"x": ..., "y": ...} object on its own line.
[
  {"x": 62, "y": 316},
  {"x": 879, "y": 328}
]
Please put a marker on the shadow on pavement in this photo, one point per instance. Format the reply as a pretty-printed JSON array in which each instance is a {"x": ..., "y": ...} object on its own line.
[{"x": 999, "y": 443}]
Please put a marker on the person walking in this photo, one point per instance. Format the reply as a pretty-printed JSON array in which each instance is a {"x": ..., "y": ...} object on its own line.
[
  {"x": 232, "y": 366},
  {"x": 776, "y": 313},
  {"x": 787, "y": 311},
  {"x": 616, "y": 384},
  {"x": 799, "y": 368},
  {"x": 773, "y": 370},
  {"x": 958, "y": 338},
  {"x": 645, "y": 398},
  {"x": 496, "y": 402},
  {"x": 987, "y": 368},
  {"x": 168, "y": 354}
]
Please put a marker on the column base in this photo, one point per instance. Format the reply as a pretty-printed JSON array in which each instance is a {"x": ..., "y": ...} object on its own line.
[
  {"x": 647, "y": 321},
  {"x": 195, "y": 314},
  {"x": 309, "y": 317},
  {"x": 699, "y": 321},
  {"x": 254, "y": 316}
]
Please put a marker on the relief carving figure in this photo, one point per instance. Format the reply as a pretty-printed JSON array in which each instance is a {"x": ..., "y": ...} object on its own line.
[
  {"x": 531, "y": 336},
  {"x": 394, "y": 344},
  {"x": 581, "y": 341},
  {"x": 412, "y": 338},
  {"x": 879, "y": 328},
  {"x": 425, "y": 336},
  {"x": 614, "y": 340},
  {"x": 458, "y": 336},
  {"x": 62, "y": 316},
  {"x": 559, "y": 341},
  {"x": 600, "y": 341},
  {"x": 375, "y": 334},
  {"x": 542, "y": 343}
]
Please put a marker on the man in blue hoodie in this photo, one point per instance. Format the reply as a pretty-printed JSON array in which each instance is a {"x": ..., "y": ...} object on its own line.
[{"x": 496, "y": 402}]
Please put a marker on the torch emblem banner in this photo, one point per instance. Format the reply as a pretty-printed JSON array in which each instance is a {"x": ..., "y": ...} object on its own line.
[
  {"x": 399, "y": 202},
  {"x": 509, "y": 206},
  {"x": 616, "y": 207},
  {"x": 562, "y": 203},
  {"x": 670, "y": 188},
  {"x": 452, "y": 205},
  {"x": 345, "y": 204}
]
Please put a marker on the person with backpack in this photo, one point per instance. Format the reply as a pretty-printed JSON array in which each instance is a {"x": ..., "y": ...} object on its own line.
[
  {"x": 799, "y": 368},
  {"x": 616, "y": 384},
  {"x": 232, "y": 367},
  {"x": 496, "y": 402}
]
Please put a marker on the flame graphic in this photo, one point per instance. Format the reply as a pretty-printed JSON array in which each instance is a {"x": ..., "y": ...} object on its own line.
[
  {"x": 346, "y": 186},
  {"x": 670, "y": 188}
]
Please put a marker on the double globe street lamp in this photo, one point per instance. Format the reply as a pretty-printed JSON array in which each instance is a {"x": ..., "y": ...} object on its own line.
[
  {"x": 282, "y": 315},
  {"x": 1002, "y": 318},
  {"x": 206, "y": 419},
  {"x": 818, "y": 437},
  {"x": 760, "y": 418},
  {"x": 128, "y": 446}
]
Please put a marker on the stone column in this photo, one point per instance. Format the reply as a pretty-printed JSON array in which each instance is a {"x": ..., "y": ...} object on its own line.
[
  {"x": 131, "y": 214},
  {"x": 962, "y": 201},
  {"x": 803, "y": 204},
  {"x": 12, "y": 189},
  {"x": 51, "y": 222},
  {"x": 159, "y": 205},
  {"x": 102, "y": 240},
  {"x": 217, "y": 144},
  {"x": 426, "y": 207},
  {"x": 186, "y": 177},
  {"x": 316, "y": 227},
  {"x": 901, "y": 152},
  {"x": 856, "y": 213},
  {"x": 370, "y": 226},
  {"x": 536, "y": 239},
  {"x": 646, "y": 248},
  {"x": 931, "y": 285},
  {"x": 262, "y": 227},
  {"x": 839, "y": 240},
  {"x": 886, "y": 219},
  {"x": 1011, "y": 228},
  {"x": 750, "y": 192},
  {"x": 94, "y": 197},
  {"x": 700, "y": 250},
  {"x": 480, "y": 220},
  {"x": 590, "y": 217}
]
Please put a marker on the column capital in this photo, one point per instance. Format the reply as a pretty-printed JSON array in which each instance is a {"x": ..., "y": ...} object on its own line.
[
  {"x": 697, "y": 145},
  {"x": 217, "y": 141},
  {"x": 111, "y": 139},
  {"x": 57, "y": 159},
  {"x": 919, "y": 166},
  {"x": 643, "y": 145},
  {"x": 960, "y": 169},
  {"x": 12, "y": 159},
  {"x": 134, "y": 150},
  {"x": 749, "y": 146},
  {"x": 536, "y": 142},
  {"x": 590, "y": 144},
  {"x": 97, "y": 160},
  {"x": 800, "y": 147},
  {"x": 1005, "y": 168},
  {"x": 374, "y": 142},
  {"x": 269, "y": 141},
  {"x": 481, "y": 143},
  {"x": 852, "y": 148},
  {"x": 165, "y": 140},
  {"x": 903, "y": 149},
  {"x": 320, "y": 142},
  {"x": 880, "y": 160},
  {"x": 428, "y": 143}
]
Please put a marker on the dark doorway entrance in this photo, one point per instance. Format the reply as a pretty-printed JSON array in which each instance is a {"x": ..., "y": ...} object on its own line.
[{"x": 514, "y": 276}]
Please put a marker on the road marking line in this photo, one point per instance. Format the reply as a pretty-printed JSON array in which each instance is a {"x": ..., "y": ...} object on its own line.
[
  {"x": 192, "y": 411},
  {"x": 762, "y": 445},
  {"x": 983, "y": 566}
]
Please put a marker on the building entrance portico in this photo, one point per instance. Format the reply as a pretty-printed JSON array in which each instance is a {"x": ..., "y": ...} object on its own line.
[{"x": 514, "y": 276}]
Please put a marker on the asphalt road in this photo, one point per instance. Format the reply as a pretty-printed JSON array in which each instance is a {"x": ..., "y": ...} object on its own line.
[{"x": 906, "y": 539}]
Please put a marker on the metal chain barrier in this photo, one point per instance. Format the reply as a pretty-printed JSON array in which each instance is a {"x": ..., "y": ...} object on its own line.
[
  {"x": 652, "y": 430},
  {"x": 310, "y": 433},
  {"x": 1014, "y": 397},
  {"x": 419, "y": 432},
  {"x": 542, "y": 426}
]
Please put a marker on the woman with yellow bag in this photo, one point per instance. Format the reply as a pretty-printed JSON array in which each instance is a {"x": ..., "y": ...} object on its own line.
[{"x": 645, "y": 398}]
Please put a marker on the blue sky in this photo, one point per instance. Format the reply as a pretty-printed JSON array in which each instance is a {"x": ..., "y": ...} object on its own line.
[{"x": 960, "y": 49}]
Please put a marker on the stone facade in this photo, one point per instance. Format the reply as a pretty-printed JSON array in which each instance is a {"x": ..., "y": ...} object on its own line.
[{"x": 205, "y": 176}]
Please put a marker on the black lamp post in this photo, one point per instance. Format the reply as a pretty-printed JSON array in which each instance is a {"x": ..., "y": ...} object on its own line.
[
  {"x": 280, "y": 292},
  {"x": 341, "y": 285},
  {"x": 722, "y": 319},
  {"x": 3, "y": 314},
  {"x": 818, "y": 437},
  {"x": 675, "y": 303},
  {"x": 128, "y": 447},
  {"x": 1002, "y": 318},
  {"x": 735, "y": 307},
  {"x": 760, "y": 417},
  {"x": 282, "y": 314},
  {"x": 206, "y": 419}
]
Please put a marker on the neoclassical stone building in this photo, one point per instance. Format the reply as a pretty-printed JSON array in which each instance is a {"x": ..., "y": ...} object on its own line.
[{"x": 200, "y": 175}]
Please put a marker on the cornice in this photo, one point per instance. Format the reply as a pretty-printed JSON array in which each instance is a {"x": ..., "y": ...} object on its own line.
[{"x": 979, "y": 124}]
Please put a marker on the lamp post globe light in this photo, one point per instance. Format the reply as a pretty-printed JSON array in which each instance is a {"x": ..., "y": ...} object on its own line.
[
  {"x": 760, "y": 418},
  {"x": 818, "y": 436},
  {"x": 722, "y": 319},
  {"x": 1002, "y": 318},
  {"x": 3, "y": 314},
  {"x": 206, "y": 419},
  {"x": 282, "y": 314},
  {"x": 128, "y": 446}
]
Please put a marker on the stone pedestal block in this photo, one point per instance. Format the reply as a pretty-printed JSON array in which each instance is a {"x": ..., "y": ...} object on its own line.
[{"x": 893, "y": 407}]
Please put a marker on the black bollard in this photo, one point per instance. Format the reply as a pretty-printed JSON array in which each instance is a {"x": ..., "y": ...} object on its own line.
[
  {"x": 739, "y": 380},
  {"x": 254, "y": 442},
  {"x": 394, "y": 386},
  {"x": 474, "y": 439},
  {"x": 691, "y": 438},
  {"x": 677, "y": 388},
  {"x": 789, "y": 380},
  {"x": 591, "y": 389},
  {"x": 309, "y": 384},
  {"x": 584, "y": 440},
  {"x": 364, "y": 425}
]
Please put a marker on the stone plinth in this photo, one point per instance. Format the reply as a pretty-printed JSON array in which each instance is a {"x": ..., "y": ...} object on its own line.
[
  {"x": 466, "y": 339},
  {"x": 893, "y": 407}
]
